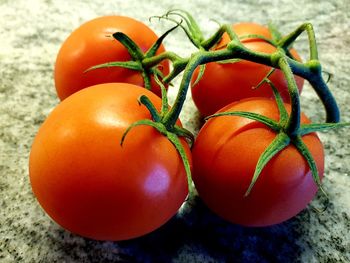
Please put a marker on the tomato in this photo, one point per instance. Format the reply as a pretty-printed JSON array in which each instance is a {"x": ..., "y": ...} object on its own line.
[
  {"x": 225, "y": 155},
  {"x": 222, "y": 84},
  {"x": 92, "y": 44},
  {"x": 91, "y": 185}
]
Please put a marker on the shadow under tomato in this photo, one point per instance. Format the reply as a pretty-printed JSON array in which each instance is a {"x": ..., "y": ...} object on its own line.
[
  {"x": 195, "y": 234},
  {"x": 197, "y": 231}
]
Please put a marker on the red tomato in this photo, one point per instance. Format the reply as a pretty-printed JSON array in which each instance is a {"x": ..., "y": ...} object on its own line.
[
  {"x": 92, "y": 44},
  {"x": 222, "y": 84},
  {"x": 90, "y": 184},
  {"x": 225, "y": 155}
]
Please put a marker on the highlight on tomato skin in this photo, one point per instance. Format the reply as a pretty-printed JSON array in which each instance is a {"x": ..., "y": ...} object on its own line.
[
  {"x": 91, "y": 185},
  {"x": 225, "y": 155},
  {"x": 222, "y": 84},
  {"x": 92, "y": 44}
]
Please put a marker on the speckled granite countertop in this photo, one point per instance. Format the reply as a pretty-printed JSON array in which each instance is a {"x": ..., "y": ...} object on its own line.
[{"x": 30, "y": 35}]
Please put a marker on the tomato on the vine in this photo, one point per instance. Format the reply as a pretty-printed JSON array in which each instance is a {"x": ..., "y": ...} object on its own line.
[
  {"x": 225, "y": 155},
  {"x": 92, "y": 185},
  {"x": 92, "y": 44},
  {"x": 223, "y": 83}
]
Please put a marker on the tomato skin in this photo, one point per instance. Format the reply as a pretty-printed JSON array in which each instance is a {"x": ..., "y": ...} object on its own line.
[
  {"x": 225, "y": 155},
  {"x": 222, "y": 84},
  {"x": 91, "y": 185},
  {"x": 92, "y": 44}
]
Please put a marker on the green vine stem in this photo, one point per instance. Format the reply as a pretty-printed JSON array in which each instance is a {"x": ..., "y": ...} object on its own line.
[
  {"x": 287, "y": 41},
  {"x": 170, "y": 118},
  {"x": 147, "y": 63},
  {"x": 310, "y": 70},
  {"x": 293, "y": 123}
]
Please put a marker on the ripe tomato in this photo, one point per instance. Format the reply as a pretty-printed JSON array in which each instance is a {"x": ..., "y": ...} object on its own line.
[
  {"x": 222, "y": 84},
  {"x": 92, "y": 44},
  {"x": 225, "y": 155},
  {"x": 91, "y": 185}
]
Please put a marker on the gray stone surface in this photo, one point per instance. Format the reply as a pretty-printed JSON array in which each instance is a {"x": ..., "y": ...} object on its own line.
[{"x": 30, "y": 35}]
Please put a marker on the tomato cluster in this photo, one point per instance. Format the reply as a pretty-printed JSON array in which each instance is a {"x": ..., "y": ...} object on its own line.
[{"x": 108, "y": 162}]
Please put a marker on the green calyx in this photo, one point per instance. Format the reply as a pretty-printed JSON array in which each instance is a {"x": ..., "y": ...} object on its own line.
[
  {"x": 172, "y": 131},
  {"x": 137, "y": 57},
  {"x": 284, "y": 137}
]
